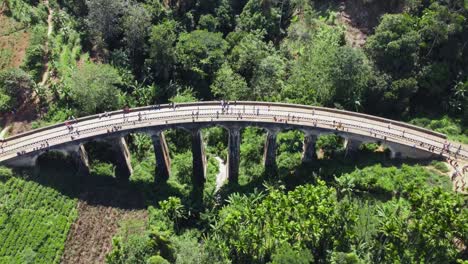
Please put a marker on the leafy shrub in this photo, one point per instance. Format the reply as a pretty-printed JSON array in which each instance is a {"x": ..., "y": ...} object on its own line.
[
  {"x": 55, "y": 114},
  {"x": 157, "y": 260},
  {"x": 15, "y": 87},
  {"x": 379, "y": 180},
  {"x": 288, "y": 255},
  {"x": 369, "y": 147},
  {"x": 330, "y": 145},
  {"x": 441, "y": 166},
  {"x": 33, "y": 62},
  {"x": 5, "y": 173},
  {"x": 102, "y": 169}
]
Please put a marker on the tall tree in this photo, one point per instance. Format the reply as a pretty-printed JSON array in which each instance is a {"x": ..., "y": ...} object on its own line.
[
  {"x": 229, "y": 85},
  {"x": 103, "y": 20},
  {"x": 395, "y": 45},
  {"x": 136, "y": 23},
  {"x": 162, "y": 57},
  {"x": 94, "y": 88},
  {"x": 200, "y": 54}
]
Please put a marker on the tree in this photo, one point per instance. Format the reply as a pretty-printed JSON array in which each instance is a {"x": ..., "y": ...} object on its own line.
[
  {"x": 135, "y": 26},
  {"x": 312, "y": 73},
  {"x": 288, "y": 255},
  {"x": 395, "y": 45},
  {"x": 93, "y": 88},
  {"x": 174, "y": 210},
  {"x": 350, "y": 76},
  {"x": 162, "y": 56},
  {"x": 261, "y": 16},
  {"x": 225, "y": 16},
  {"x": 268, "y": 79},
  {"x": 255, "y": 226},
  {"x": 409, "y": 233},
  {"x": 247, "y": 53},
  {"x": 229, "y": 85},
  {"x": 200, "y": 54},
  {"x": 103, "y": 20},
  {"x": 208, "y": 22},
  {"x": 16, "y": 87}
]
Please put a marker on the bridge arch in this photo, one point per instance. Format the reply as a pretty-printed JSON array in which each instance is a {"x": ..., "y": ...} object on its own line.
[{"x": 404, "y": 140}]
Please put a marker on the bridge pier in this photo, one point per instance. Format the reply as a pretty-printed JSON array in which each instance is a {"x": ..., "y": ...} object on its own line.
[
  {"x": 269, "y": 154},
  {"x": 398, "y": 151},
  {"x": 233, "y": 155},
  {"x": 29, "y": 161},
  {"x": 199, "y": 159},
  {"x": 352, "y": 146},
  {"x": 308, "y": 148},
  {"x": 163, "y": 161},
  {"x": 81, "y": 159},
  {"x": 123, "y": 165}
]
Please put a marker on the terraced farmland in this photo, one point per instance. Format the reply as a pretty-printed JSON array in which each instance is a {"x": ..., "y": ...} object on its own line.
[{"x": 34, "y": 221}]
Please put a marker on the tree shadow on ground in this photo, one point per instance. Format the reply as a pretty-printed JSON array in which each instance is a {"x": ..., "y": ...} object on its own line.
[
  {"x": 61, "y": 174},
  {"x": 319, "y": 169}
]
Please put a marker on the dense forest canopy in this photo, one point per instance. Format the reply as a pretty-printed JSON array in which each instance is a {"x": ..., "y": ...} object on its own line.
[
  {"x": 414, "y": 62},
  {"x": 410, "y": 63}
]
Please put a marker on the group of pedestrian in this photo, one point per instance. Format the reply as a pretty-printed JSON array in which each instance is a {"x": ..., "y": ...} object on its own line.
[
  {"x": 105, "y": 114},
  {"x": 42, "y": 146},
  {"x": 114, "y": 129}
]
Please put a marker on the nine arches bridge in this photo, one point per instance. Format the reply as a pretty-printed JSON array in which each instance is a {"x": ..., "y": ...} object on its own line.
[{"x": 402, "y": 139}]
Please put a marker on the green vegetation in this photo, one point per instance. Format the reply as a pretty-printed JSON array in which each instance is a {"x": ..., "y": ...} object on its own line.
[
  {"x": 105, "y": 54},
  {"x": 15, "y": 86},
  {"x": 34, "y": 220}
]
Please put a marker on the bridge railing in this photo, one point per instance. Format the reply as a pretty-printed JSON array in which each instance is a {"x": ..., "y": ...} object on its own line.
[
  {"x": 250, "y": 103},
  {"x": 345, "y": 112}
]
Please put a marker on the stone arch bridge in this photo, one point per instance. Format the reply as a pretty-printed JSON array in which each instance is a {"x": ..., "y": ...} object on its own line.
[{"x": 403, "y": 140}]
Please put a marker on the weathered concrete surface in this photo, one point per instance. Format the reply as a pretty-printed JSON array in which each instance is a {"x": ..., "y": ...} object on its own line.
[
  {"x": 199, "y": 159},
  {"x": 81, "y": 159},
  {"x": 269, "y": 154},
  {"x": 163, "y": 160},
  {"x": 122, "y": 158},
  {"x": 308, "y": 148},
  {"x": 234, "y": 142},
  {"x": 352, "y": 146}
]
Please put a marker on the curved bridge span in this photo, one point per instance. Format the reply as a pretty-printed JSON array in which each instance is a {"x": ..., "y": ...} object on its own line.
[{"x": 403, "y": 140}]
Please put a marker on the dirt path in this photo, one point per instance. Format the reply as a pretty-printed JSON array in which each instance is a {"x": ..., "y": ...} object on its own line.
[
  {"x": 221, "y": 178},
  {"x": 45, "y": 75},
  {"x": 99, "y": 215}
]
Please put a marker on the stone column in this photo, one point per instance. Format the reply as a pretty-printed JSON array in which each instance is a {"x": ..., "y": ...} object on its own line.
[
  {"x": 123, "y": 165},
  {"x": 163, "y": 160},
  {"x": 308, "y": 148},
  {"x": 269, "y": 155},
  {"x": 25, "y": 161},
  {"x": 352, "y": 146},
  {"x": 233, "y": 155},
  {"x": 80, "y": 158},
  {"x": 199, "y": 159}
]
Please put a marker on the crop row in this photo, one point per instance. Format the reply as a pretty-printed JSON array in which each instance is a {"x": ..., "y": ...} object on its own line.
[{"x": 34, "y": 222}]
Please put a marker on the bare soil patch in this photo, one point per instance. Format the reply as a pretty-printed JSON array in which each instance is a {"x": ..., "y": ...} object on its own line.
[
  {"x": 14, "y": 40},
  {"x": 362, "y": 16},
  {"x": 99, "y": 213},
  {"x": 21, "y": 120}
]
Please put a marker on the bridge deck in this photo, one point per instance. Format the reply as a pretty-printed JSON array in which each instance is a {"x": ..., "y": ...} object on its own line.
[{"x": 240, "y": 112}]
